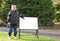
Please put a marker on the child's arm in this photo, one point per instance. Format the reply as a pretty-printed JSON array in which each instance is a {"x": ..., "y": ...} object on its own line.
[
  {"x": 20, "y": 15},
  {"x": 8, "y": 17}
]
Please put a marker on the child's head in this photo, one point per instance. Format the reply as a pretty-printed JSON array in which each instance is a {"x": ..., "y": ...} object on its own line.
[{"x": 13, "y": 7}]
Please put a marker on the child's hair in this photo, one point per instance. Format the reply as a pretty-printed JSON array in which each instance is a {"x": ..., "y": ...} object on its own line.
[{"x": 13, "y": 3}]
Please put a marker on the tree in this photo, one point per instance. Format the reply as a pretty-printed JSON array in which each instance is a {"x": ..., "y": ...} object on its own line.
[{"x": 43, "y": 9}]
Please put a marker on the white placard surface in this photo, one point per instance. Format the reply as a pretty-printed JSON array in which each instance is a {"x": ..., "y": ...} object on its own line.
[{"x": 28, "y": 23}]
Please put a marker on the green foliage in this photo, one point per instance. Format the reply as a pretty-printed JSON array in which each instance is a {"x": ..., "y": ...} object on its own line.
[
  {"x": 57, "y": 16},
  {"x": 43, "y": 9}
]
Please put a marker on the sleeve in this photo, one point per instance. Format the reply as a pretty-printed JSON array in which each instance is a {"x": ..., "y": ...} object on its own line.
[
  {"x": 20, "y": 15},
  {"x": 8, "y": 17}
]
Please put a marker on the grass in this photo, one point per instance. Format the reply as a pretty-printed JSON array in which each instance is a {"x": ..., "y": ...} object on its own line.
[{"x": 4, "y": 37}]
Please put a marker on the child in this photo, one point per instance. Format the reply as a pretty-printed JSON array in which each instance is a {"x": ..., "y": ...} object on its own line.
[{"x": 13, "y": 20}]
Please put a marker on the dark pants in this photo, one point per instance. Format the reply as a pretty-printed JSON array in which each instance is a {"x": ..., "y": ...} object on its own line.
[{"x": 11, "y": 28}]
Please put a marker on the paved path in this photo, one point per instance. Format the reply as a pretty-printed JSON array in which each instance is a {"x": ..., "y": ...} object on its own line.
[{"x": 49, "y": 33}]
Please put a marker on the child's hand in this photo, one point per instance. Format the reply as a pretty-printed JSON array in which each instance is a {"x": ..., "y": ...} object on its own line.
[
  {"x": 8, "y": 22},
  {"x": 24, "y": 18}
]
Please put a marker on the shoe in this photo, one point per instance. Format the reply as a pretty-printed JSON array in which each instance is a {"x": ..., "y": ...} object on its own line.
[{"x": 8, "y": 37}]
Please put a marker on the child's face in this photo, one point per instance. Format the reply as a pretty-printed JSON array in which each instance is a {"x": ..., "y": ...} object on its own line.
[{"x": 13, "y": 7}]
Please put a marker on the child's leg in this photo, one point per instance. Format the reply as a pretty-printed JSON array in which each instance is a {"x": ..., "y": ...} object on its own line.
[
  {"x": 15, "y": 30},
  {"x": 10, "y": 30}
]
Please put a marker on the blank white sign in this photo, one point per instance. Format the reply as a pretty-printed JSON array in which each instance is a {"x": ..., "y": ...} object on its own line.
[{"x": 28, "y": 23}]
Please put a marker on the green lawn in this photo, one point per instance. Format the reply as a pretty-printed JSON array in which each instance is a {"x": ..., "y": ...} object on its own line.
[{"x": 4, "y": 37}]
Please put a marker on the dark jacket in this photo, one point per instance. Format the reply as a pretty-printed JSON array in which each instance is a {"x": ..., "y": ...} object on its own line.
[{"x": 13, "y": 17}]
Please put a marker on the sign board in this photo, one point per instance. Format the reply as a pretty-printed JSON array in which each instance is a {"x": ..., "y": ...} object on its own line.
[{"x": 28, "y": 23}]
